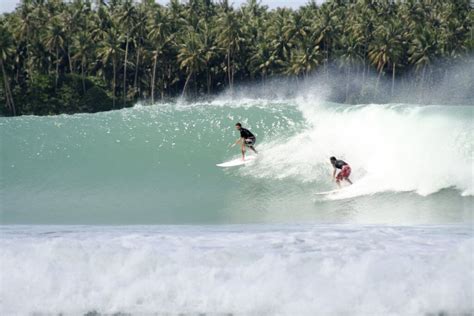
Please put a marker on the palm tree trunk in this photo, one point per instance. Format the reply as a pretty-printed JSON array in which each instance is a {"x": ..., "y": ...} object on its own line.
[
  {"x": 326, "y": 61},
  {"x": 363, "y": 72},
  {"x": 423, "y": 76},
  {"x": 163, "y": 86},
  {"x": 378, "y": 80},
  {"x": 186, "y": 83},
  {"x": 70, "y": 61},
  {"x": 17, "y": 77},
  {"x": 422, "y": 85},
  {"x": 393, "y": 77},
  {"x": 125, "y": 73},
  {"x": 229, "y": 71},
  {"x": 208, "y": 81},
  {"x": 233, "y": 74},
  {"x": 83, "y": 77},
  {"x": 348, "y": 76},
  {"x": 27, "y": 59},
  {"x": 8, "y": 94},
  {"x": 113, "y": 82},
  {"x": 135, "y": 80},
  {"x": 153, "y": 79},
  {"x": 57, "y": 68}
]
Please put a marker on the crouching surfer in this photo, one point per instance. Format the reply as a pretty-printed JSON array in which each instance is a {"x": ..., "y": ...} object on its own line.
[
  {"x": 247, "y": 139},
  {"x": 343, "y": 174}
]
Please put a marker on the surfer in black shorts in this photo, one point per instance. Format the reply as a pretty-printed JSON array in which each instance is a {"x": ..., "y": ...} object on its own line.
[
  {"x": 344, "y": 173},
  {"x": 247, "y": 139}
]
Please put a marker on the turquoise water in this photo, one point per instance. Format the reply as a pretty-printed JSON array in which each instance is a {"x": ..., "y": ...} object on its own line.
[
  {"x": 252, "y": 240},
  {"x": 156, "y": 164}
]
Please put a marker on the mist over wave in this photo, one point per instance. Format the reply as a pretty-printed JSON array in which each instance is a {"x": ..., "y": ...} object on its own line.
[{"x": 453, "y": 86}]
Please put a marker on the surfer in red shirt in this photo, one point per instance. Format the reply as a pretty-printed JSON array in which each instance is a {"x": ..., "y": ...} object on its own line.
[{"x": 344, "y": 173}]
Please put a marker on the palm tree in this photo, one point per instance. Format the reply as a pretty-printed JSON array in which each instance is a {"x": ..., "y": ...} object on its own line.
[
  {"x": 139, "y": 37},
  {"x": 110, "y": 51},
  {"x": 69, "y": 22},
  {"x": 6, "y": 52},
  {"x": 127, "y": 21},
  {"x": 54, "y": 42},
  {"x": 83, "y": 47},
  {"x": 208, "y": 49},
  {"x": 325, "y": 28},
  {"x": 387, "y": 49},
  {"x": 24, "y": 32},
  {"x": 213, "y": 45},
  {"x": 350, "y": 55},
  {"x": 190, "y": 56},
  {"x": 453, "y": 32},
  {"x": 304, "y": 60},
  {"x": 79, "y": 42},
  {"x": 159, "y": 36},
  {"x": 262, "y": 60},
  {"x": 423, "y": 50},
  {"x": 279, "y": 43},
  {"x": 229, "y": 38}
]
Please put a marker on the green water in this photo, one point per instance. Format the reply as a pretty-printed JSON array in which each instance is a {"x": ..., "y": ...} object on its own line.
[{"x": 153, "y": 165}]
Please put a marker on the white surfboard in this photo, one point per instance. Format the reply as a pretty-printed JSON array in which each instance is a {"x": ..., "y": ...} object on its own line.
[
  {"x": 328, "y": 192},
  {"x": 344, "y": 189},
  {"x": 237, "y": 162}
]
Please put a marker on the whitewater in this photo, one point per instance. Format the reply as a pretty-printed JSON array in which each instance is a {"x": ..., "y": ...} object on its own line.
[
  {"x": 126, "y": 212},
  {"x": 283, "y": 270}
]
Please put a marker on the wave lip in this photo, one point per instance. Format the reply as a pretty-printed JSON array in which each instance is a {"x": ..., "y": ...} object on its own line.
[{"x": 399, "y": 148}]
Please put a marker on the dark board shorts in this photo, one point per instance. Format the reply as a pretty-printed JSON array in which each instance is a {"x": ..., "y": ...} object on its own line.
[{"x": 250, "y": 141}]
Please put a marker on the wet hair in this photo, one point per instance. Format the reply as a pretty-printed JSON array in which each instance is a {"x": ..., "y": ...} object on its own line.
[
  {"x": 333, "y": 158},
  {"x": 238, "y": 124}
]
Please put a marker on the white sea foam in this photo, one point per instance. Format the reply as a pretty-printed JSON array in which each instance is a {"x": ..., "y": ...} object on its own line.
[
  {"x": 390, "y": 148},
  {"x": 277, "y": 270}
]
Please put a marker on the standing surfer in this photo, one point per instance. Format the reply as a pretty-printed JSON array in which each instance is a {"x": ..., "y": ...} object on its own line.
[
  {"x": 247, "y": 139},
  {"x": 344, "y": 173}
]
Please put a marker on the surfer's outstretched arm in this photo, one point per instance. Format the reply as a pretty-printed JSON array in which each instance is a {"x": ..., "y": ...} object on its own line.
[
  {"x": 237, "y": 141},
  {"x": 349, "y": 180}
]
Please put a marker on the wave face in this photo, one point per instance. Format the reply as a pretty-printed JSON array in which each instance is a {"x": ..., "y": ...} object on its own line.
[
  {"x": 264, "y": 270},
  {"x": 156, "y": 164}
]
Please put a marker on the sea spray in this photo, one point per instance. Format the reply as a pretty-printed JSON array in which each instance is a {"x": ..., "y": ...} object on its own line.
[{"x": 398, "y": 148}]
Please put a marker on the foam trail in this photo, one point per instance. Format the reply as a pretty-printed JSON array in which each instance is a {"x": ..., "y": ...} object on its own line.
[{"x": 282, "y": 270}]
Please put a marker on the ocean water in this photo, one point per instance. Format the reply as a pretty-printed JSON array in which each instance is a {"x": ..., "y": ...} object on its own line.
[
  {"x": 126, "y": 212},
  {"x": 156, "y": 164}
]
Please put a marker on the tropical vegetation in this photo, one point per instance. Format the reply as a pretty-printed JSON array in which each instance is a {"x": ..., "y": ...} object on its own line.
[{"x": 87, "y": 56}]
